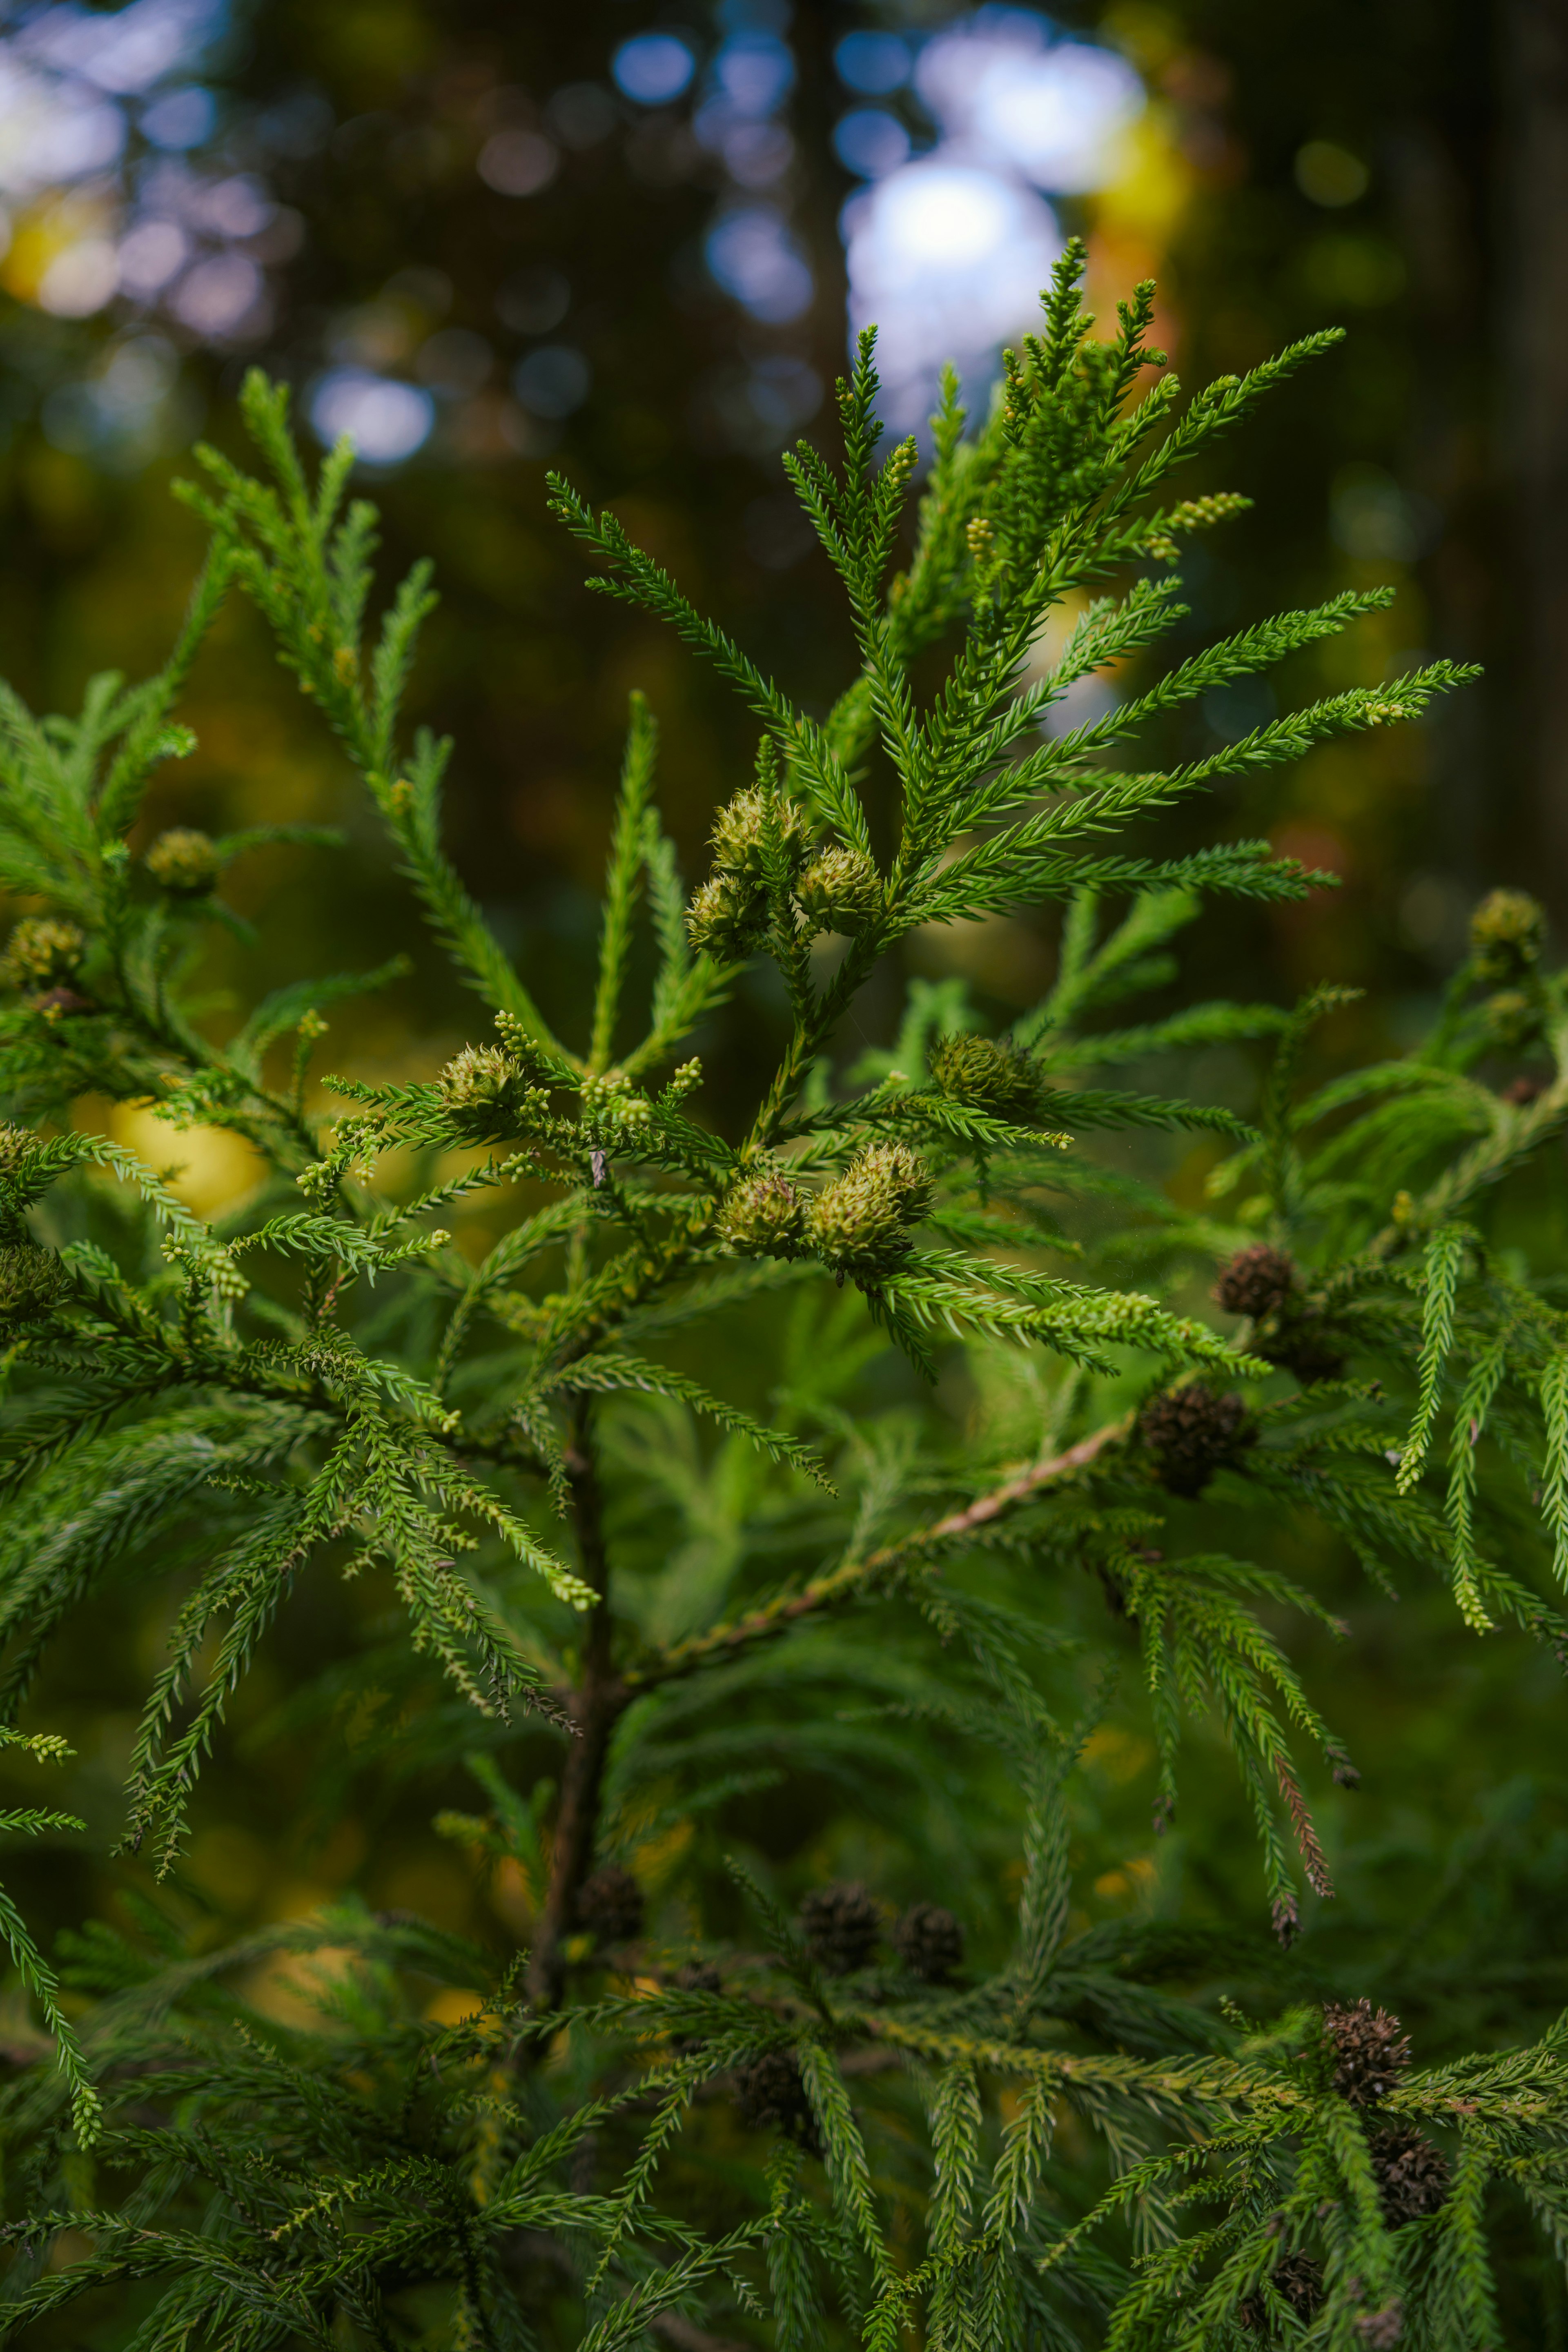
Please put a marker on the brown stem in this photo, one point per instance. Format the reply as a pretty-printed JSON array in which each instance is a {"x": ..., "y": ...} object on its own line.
[
  {"x": 843, "y": 1582},
  {"x": 594, "y": 1703}
]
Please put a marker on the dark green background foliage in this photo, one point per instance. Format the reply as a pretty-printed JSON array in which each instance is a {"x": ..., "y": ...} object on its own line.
[{"x": 969, "y": 1713}]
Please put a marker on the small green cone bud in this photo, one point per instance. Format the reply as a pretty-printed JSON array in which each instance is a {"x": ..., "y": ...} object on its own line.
[
  {"x": 722, "y": 919},
  {"x": 841, "y": 890},
  {"x": 31, "y": 1280},
  {"x": 741, "y": 828},
  {"x": 17, "y": 1145},
  {"x": 765, "y": 1217},
  {"x": 1513, "y": 1019},
  {"x": 184, "y": 862},
  {"x": 985, "y": 1075},
  {"x": 42, "y": 952},
  {"x": 860, "y": 1220},
  {"x": 1507, "y": 931},
  {"x": 482, "y": 1077}
]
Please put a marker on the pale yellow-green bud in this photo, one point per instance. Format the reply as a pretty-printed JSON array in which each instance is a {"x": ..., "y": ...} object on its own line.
[
  {"x": 184, "y": 862},
  {"x": 741, "y": 829},
  {"x": 860, "y": 1220},
  {"x": 984, "y": 1076},
  {"x": 42, "y": 953},
  {"x": 1507, "y": 931},
  {"x": 763, "y": 1217},
  {"x": 725, "y": 917},
  {"x": 17, "y": 1145},
  {"x": 840, "y": 891},
  {"x": 482, "y": 1077}
]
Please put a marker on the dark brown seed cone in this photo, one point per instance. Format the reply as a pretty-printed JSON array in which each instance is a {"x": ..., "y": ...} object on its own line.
[
  {"x": 1412, "y": 2175},
  {"x": 1298, "y": 2279},
  {"x": 1259, "y": 1281},
  {"x": 842, "y": 1928},
  {"x": 609, "y": 1905},
  {"x": 1303, "y": 1349},
  {"x": 1523, "y": 1092},
  {"x": 929, "y": 1941},
  {"x": 1192, "y": 1433},
  {"x": 1382, "y": 2330},
  {"x": 770, "y": 2095},
  {"x": 698, "y": 1976},
  {"x": 1371, "y": 2049}
]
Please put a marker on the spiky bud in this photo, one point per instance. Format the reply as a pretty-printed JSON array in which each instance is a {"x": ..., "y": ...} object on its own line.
[
  {"x": 986, "y": 1073},
  {"x": 480, "y": 1078},
  {"x": 1370, "y": 2050},
  {"x": 1299, "y": 2280},
  {"x": 1259, "y": 1281},
  {"x": 17, "y": 1145},
  {"x": 929, "y": 1941},
  {"x": 771, "y": 2095},
  {"x": 740, "y": 832},
  {"x": 1513, "y": 1019},
  {"x": 840, "y": 891},
  {"x": 184, "y": 862},
  {"x": 1192, "y": 1433},
  {"x": 1412, "y": 2175},
  {"x": 726, "y": 916},
  {"x": 31, "y": 1280},
  {"x": 609, "y": 1905},
  {"x": 763, "y": 1217},
  {"x": 42, "y": 952},
  {"x": 1507, "y": 931},
  {"x": 842, "y": 1928},
  {"x": 861, "y": 1219}
]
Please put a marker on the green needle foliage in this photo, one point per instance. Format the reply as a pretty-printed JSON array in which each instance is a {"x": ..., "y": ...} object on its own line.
[{"x": 680, "y": 2116}]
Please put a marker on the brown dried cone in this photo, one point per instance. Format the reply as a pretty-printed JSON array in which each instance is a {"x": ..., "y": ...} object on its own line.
[
  {"x": 1412, "y": 2175},
  {"x": 1371, "y": 2050},
  {"x": 770, "y": 2095},
  {"x": 1299, "y": 2280},
  {"x": 1192, "y": 1433},
  {"x": 1262, "y": 1282},
  {"x": 1259, "y": 1281},
  {"x": 842, "y": 1928},
  {"x": 1382, "y": 2330},
  {"x": 610, "y": 1906},
  {"x": 929, "y": 1941}
]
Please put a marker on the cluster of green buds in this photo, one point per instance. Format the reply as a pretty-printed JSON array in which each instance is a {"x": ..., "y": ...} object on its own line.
[
  {"x": 31, "y": 1280},
  {"x": 763, "y": 869},
  {"x": 42, "y": 953},
  {"x": 765, "y": 1217},
  {"x": 1507, "y": 931},
  {"x": 860, "y": 1222},
  {"x": 183, "y": 863},
  {"x": 613, "y": 1108},
  {"x": 986, "y": 1075}
]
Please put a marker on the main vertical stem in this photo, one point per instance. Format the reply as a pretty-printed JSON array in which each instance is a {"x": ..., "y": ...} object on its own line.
[{"x": 596, "y": 1703}]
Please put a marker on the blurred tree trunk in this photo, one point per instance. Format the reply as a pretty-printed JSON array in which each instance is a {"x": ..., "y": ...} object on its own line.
[{"x": 1533, "y": 155}]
